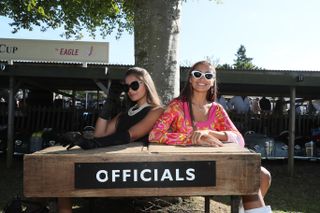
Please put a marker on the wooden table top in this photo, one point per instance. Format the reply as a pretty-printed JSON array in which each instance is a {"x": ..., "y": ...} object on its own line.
[{"x": 154, "y": 148}]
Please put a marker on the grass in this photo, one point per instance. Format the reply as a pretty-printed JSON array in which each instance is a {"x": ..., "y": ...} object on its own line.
[{"x": 300, "y": 193}]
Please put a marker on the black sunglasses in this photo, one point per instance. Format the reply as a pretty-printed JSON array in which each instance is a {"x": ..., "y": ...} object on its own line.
[
  {"x": 197, "y": 74},
  {"x": 134, "y": 86}
]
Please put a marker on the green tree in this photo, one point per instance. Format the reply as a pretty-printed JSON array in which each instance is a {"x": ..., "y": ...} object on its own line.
[
  {"x": 73, "y": 16},
  {"x": 155, "y": 24},
  {"x": 224, "y": 66},
  {"x": 242, "y": 61}
]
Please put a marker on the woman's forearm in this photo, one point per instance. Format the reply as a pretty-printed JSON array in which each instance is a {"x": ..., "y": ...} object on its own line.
[{"x": 221, "y": 135}]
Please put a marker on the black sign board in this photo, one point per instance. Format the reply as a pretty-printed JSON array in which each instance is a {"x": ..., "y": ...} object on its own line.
[{"x": 145, "y": 174}]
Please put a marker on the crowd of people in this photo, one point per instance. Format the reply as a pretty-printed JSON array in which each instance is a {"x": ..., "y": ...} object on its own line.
[{"x": 266, "y": 105}]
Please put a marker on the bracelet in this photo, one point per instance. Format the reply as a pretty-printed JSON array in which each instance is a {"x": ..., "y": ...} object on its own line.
[
  {"x": 193, "y": 143},
  {"x": 225, "y": 133}
]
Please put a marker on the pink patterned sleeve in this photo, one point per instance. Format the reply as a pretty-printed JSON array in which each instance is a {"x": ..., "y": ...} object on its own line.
[
  {"x": 166, "y": 131},
  {"x": 227, "y": 125}
]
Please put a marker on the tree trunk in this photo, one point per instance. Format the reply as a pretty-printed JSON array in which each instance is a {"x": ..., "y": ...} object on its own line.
[{"x": 156, "y": 36}]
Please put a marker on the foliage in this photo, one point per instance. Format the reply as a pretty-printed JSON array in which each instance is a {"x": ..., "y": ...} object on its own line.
[
  {"x": 224, "y": 66},
  {"x": 242, "y": 61},
  {"x": 73, "y": 15}
]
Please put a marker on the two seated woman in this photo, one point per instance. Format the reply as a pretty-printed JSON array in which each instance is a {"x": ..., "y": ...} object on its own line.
[{"x": 194, "y": 118}]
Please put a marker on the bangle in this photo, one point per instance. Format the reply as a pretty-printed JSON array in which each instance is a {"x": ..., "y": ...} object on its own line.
[
  {"x": 225, "y": 133},
  {"x": 193, "y": 142}
]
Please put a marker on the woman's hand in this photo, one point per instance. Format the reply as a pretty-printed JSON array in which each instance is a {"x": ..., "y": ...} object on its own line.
[{"x": 203, "y": 138}]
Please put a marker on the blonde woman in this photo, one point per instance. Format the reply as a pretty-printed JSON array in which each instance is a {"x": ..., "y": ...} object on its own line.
[{"x": 133, "y": 125}]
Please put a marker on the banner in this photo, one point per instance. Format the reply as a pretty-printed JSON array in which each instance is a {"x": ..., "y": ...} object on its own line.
[{"x": 53, "y": 51}]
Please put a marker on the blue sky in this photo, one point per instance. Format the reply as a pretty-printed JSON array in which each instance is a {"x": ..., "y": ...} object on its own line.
[{"x": 278, "y": 34}]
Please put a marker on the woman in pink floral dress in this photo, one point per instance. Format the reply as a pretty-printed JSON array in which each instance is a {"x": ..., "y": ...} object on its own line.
[{"x": 195, "y": 119}]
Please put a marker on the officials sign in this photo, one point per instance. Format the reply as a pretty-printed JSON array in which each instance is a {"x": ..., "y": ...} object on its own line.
[{"x": 145, "y": 174}]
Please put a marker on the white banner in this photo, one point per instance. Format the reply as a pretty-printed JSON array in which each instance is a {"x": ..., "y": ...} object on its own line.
[{"x": 53, "y": 51}]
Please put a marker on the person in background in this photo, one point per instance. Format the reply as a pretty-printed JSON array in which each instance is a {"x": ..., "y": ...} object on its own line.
[
  {"x": 299, "y": 109},
  {"x": 255, "y": 106},
  {"x": 265, "y": 105},
  {"x": 279, "y": 108},
  {"x": 132, "y": 125},
  {"x": 316, "y": 105},
  {"x": 311, "y": 110},
  {"x": 239, "y": 104},
  {"x": 195, "y": 119},
  {"x": 222, "y": 101}
]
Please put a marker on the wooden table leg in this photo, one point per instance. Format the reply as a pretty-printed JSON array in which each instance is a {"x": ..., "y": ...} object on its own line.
[
  {"x": 235, "y": 201},
  {"x": 207, "y": 204}
]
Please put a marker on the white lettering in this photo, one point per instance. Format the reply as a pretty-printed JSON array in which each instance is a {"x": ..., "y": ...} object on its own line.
[
  {"x": 142, "y": 175},
  {"x": 166, "y": 175},
  {"x": 103, "y": 173},
  {"x": 135, "y": 175},
  {"x": 190, "y": 174},
  {"x": 115, "y": 174},
  {"x": 145, "y": 175},
  {"x": 155, "y": 174},
  {"x": 178, "y": 178},
  {"x": 126, "y": 174}
]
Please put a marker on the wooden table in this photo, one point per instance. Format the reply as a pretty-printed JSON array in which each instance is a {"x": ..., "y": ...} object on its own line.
[{"x": 51, "y": 172}]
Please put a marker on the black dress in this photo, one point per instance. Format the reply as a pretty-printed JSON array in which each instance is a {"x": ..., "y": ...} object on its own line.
[{"x": 125, "y": 122}]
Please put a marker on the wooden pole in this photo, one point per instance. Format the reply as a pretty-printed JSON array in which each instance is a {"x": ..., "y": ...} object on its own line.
[
  {"x": 11, "y": 108},
  {"x": 235, "y": 201},
  {"x": 73, "y": 99},
  {"x": 292, "y": 122},
  {"x": 207, "y": 204}
]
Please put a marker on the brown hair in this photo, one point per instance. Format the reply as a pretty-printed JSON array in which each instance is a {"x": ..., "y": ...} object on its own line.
[
  {"x": 187, "y": 91},
  {"x": 144, "y": 76}
]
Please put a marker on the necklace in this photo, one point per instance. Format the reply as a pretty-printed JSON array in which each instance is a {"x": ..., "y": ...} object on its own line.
[
  {"x": 136, "y": 108},
  {"x": 201, "y": 108}
]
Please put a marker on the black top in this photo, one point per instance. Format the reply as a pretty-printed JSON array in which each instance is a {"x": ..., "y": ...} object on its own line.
[
  {"x": 265, "y": 104},
  {"x": 125, "y": 122}
]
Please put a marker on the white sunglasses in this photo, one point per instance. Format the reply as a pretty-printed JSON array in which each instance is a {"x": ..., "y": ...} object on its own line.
[{"x": 198, "y": 74}]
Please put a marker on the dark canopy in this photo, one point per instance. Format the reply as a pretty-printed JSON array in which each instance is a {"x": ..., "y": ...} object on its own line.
[{"x": 56, "y": 77}]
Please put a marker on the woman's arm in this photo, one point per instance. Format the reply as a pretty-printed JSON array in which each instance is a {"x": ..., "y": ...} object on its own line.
[
  {"x": 143, "y": 127},
  {"x": 164, "y": 132},
  {"x": 224, "y": 124},
  {"x": 105, "y": 127},
  {"x": 224, "y": 130}
]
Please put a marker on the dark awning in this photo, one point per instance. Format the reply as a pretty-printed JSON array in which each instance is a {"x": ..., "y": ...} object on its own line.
[{"x": 53, "y": 77}]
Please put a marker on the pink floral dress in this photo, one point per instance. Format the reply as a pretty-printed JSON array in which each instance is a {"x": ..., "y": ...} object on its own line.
[{"x": 174, "y": 126}]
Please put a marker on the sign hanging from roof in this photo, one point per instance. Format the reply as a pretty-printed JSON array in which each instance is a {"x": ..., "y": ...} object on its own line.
[{"x": 53, "y": 51}]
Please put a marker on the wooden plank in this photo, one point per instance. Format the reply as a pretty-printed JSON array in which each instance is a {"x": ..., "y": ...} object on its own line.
[
  {"x": 50, "y": 172},
  {"x": 136, "y": 148}
]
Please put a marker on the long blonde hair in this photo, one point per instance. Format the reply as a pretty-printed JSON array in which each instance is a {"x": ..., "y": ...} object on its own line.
[{"x": 144, "y": 76}]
